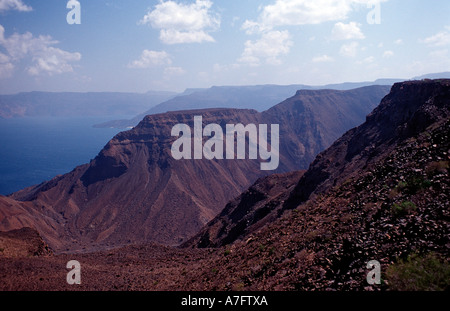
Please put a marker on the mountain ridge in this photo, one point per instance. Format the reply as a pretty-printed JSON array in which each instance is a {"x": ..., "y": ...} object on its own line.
[
  {"x": 415, "y": 109},
  {"x": 70, "y": 104},
  {"x": 213, "y": 100},
  {"x": 134, "y": 174},
  {"x": 258, "y": 97}
]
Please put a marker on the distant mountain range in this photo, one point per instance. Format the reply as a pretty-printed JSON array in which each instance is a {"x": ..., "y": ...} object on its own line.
[
  {"x": 70, "y": 104},
  {"x": 258, "y": 97},
  {"x": 45, "y": 104}
]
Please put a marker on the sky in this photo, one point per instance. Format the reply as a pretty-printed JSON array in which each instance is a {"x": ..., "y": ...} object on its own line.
[{"x": 160, "y": 45}]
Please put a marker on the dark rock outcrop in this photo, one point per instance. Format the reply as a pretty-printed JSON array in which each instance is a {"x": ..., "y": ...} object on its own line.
[{"x": 406, "y": 112}]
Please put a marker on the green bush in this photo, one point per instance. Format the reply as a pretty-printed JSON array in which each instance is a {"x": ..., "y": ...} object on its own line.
[
  {"x": 416, "y": 183},
  {"x": 404, "y": 208},
  {"x": 419, "y": 273}
]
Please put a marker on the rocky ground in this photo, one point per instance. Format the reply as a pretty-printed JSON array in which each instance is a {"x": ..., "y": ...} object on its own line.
[{"x": 399, "y": 208}]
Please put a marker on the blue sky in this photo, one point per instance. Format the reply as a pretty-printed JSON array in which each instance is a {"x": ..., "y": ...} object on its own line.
[{"x": 142, "y": 45}]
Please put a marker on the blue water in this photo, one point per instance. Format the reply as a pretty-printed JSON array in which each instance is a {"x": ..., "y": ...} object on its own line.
[{"x": 33, "y": 150}]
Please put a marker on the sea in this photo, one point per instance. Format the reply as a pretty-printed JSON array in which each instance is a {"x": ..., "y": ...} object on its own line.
[{"x": 36, "y": 149}]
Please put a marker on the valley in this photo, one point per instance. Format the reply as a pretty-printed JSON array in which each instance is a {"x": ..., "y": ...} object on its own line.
[{"x": 379, "y": 192}]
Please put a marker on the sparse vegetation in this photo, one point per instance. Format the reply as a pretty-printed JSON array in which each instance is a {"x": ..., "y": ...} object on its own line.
[
  {"x": 419, "y": 273},
  {"x": 415, "y": 183},
  {"x": 437, "y": 167},
  {"x": 403, "y": 208},
  {"x": 238, "y": 287},
  {"x": 411, "y": 186}
]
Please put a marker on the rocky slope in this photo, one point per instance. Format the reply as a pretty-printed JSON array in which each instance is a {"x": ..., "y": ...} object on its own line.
[
  {"x": 253, "y": 209},
  {"x": 23, "y": 242},
  {"x": 380, "y": 192},
  {"x": 389, "y": 205},
  {"x": 405, "y": 112},
  {"x": 374, "y": 185},
  {"x": 396, "y": 210},
  {"x": 312, "y": 120},
  {"x": 134, "y": 191}
]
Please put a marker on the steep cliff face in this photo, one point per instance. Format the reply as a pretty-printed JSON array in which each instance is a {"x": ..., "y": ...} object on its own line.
[
  {"x": 253, "y": 209},
  {"x": 405, "y": 112},
  {"x": 380, "y": 192},
  {"x": 135, "y": 191},
  {"x": 312, "y": 120}
]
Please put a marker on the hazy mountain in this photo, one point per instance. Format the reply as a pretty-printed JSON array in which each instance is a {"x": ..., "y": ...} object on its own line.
[
  {"x": 135, "y": 191},
  {"x": 258, "y": 97},
  {"x": 441, "y": 75},
  {"x": 78, "y": 104}
]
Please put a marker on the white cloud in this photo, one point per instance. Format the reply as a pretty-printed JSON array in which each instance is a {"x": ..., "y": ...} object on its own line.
[
  {"x": 269, "y": 48},
  {"x": 323, "y": 59},
  {"x": 252, "y": 27},
  {"x": 350, "y": 31},
  {"x": 6, "y": 67},
  {"x": 367, "y": 60},
  {"x": 172, "y": 36},
  {"x": 437, "y": 61},
  {"x": 18, "y": 5},
  {"x": 53, "y": 61},
  {"x": 6, "y": 70},
  {"x": 151, "y": 59},
  {"x": 438, "y": 40},
  {"x": 439, "y": 54},
  {"x": 3, "y": 58},
  {"x": 173, "y": 71},
  {"x": 398, "y": 42},
  {"x": 218, "y": 68},
  {"x": 349, "y": 50},
  {"x": 388, "y": 54},
  {"x": 44, "y": 57},
  {"x": 303, "y": 12},
  {"x": 183, "y": 23}
]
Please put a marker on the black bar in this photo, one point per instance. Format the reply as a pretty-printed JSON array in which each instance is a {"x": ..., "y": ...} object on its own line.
[{"x": 229, "y": 300}]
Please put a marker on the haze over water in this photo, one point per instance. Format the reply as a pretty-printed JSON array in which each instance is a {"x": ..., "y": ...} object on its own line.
[{"x": 39, "y": 148}]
